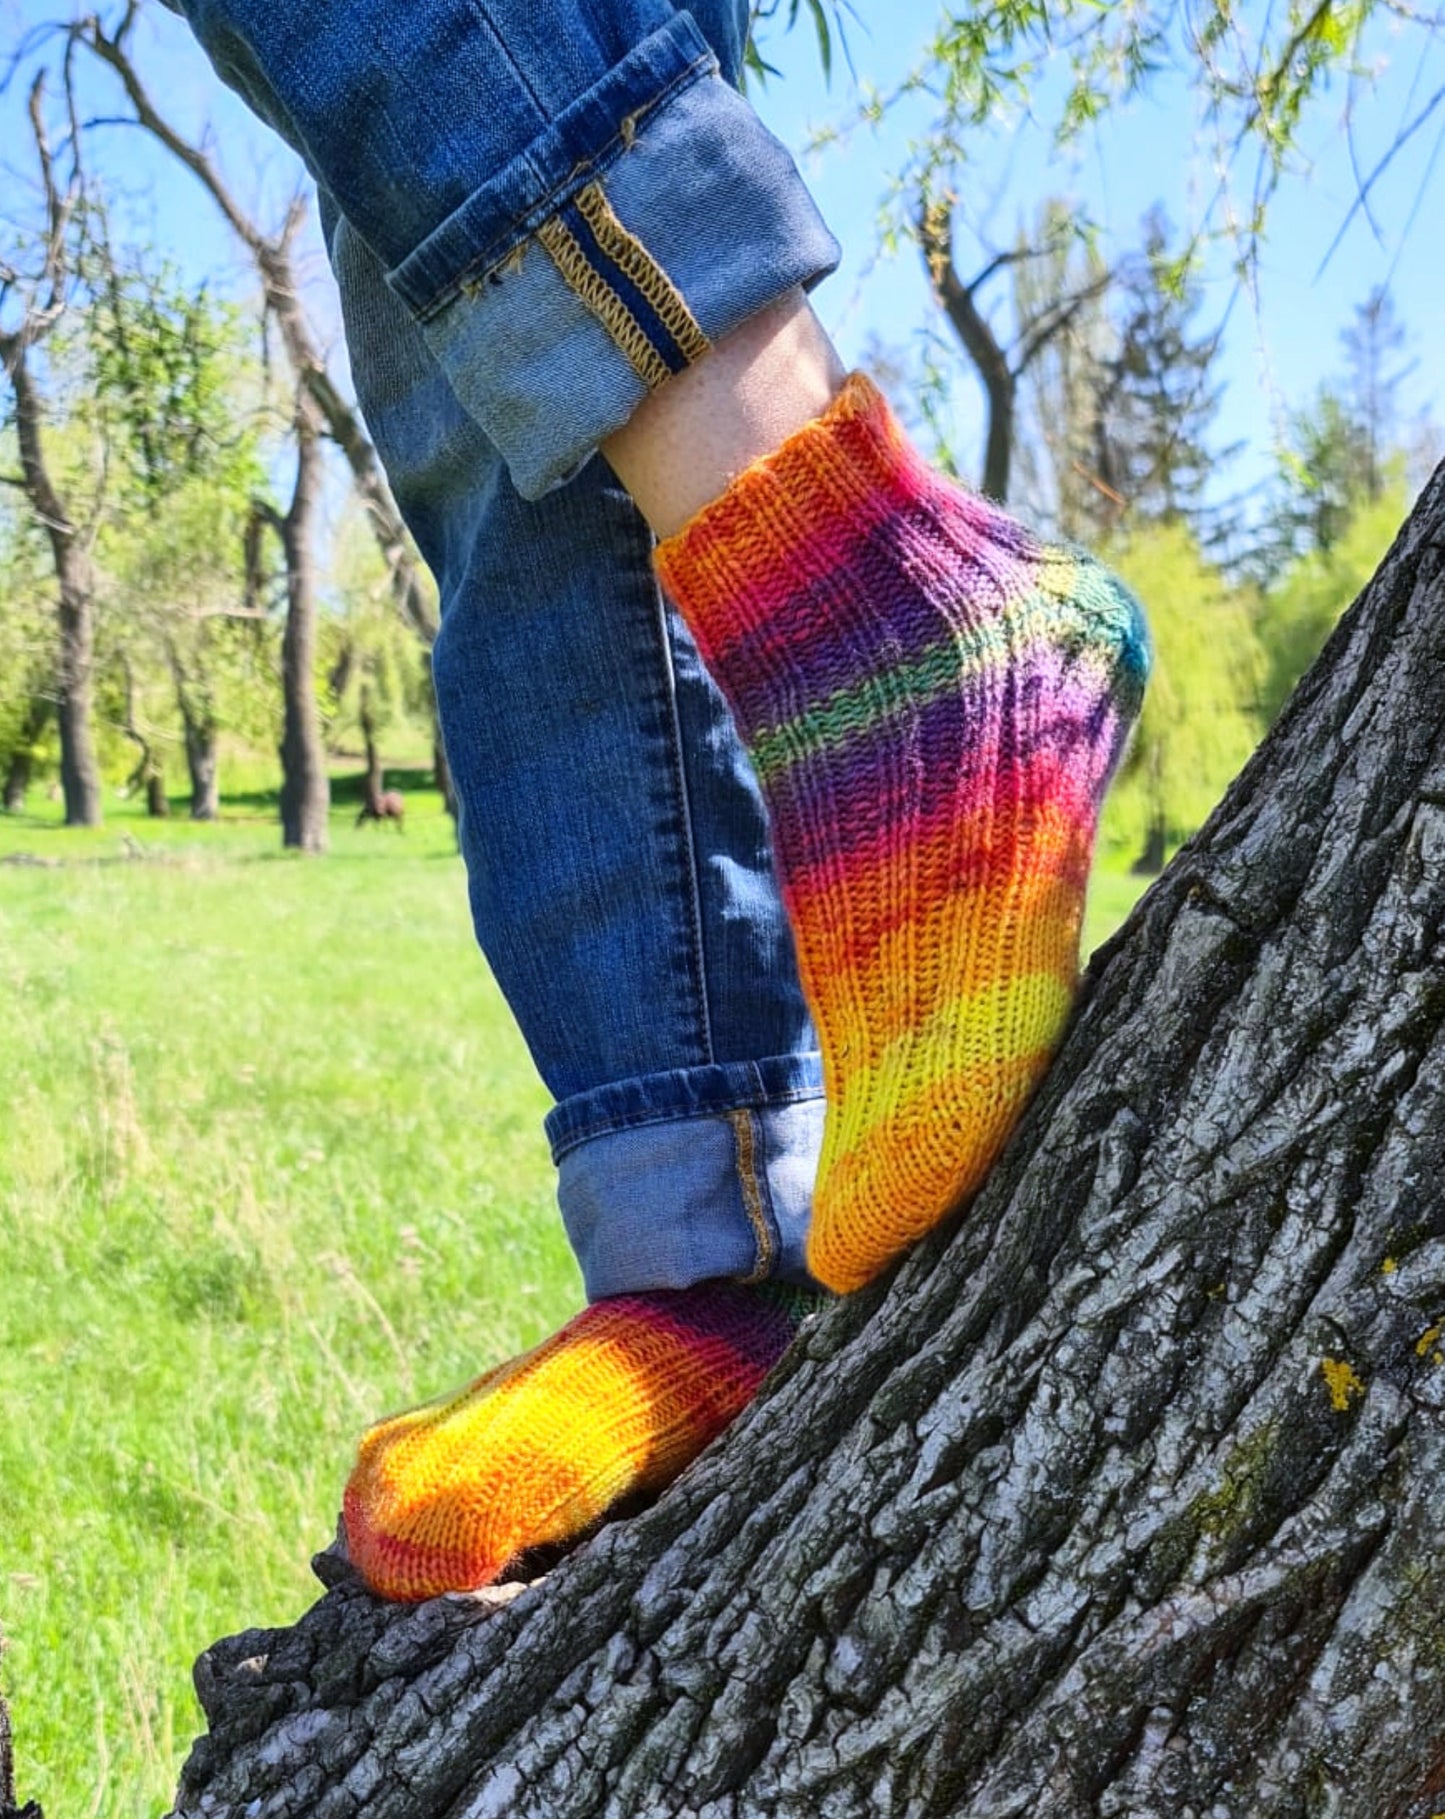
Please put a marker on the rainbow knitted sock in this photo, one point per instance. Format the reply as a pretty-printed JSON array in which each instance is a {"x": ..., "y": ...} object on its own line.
[
  {"x": 934, "y": 702},
  {"x": 443, "y": 1497}
]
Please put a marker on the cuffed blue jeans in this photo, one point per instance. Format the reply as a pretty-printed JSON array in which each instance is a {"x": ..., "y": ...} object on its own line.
[{"x": 537, "y": 213}]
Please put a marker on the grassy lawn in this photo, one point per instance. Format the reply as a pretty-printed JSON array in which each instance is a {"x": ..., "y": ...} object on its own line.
[{"x": 270, "y": 1163}]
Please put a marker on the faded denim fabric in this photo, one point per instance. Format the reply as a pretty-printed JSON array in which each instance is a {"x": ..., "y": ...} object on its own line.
[
  {"x": 616, "y": 846},
  {"x": 571, "y": 198}
]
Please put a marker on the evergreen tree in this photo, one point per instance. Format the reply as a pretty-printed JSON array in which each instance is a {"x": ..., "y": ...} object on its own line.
[
  {"x": 1342, "y": 451},
  {"x": 1156, "y": 397},
  {"x": 1372, "y": 345}
]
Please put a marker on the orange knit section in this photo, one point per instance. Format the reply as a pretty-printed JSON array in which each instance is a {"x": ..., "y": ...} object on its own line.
[
  {"x": 532, "y": 1454},
  {"x": 1004, "y": 926}
]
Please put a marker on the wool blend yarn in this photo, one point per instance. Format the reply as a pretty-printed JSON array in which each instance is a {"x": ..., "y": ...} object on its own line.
[
  {"x": 934, "y": 701},
  {"x": 445, "y": 1496}
]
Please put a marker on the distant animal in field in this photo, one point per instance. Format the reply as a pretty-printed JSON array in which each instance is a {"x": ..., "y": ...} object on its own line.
[{"x": 390, "y": 805}]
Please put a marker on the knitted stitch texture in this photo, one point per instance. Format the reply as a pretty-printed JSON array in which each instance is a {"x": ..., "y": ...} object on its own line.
[
  {"x": 444, "y": 1496},
  {"x": 934, "y": 701}
]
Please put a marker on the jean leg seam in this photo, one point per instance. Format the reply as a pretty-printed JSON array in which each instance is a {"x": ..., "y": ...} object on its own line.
[
  {"x": 679, "y": 771},
  {"x": 500, "y": 40}
]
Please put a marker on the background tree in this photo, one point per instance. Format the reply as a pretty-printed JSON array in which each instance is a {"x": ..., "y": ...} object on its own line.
[
  {"x": 1340, "y": 488},
  {"x": 1060, "y": 435},
  {"x": 412, "y": 588},
  {"x": 27, "y": 655},
  {"x": 1200, "y": 720},
  {"x": 1155, "y": 395},
  {"x": 379, "y": 675},
  {"x": 305, "y": 784},
  {"x": 176, "y": 378},
  {"x": 1001, "y": 358},
  {"x": 1373, "y": 343},
  {"x": 1303, "y": 603},
  {"x": 33, "y": 303}
]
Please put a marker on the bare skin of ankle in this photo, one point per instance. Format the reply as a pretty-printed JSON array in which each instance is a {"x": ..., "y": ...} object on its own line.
[{"x": 687, "y": 441}]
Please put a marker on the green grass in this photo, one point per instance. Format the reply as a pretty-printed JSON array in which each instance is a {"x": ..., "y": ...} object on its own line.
[{"x": 270, "y": 1163}]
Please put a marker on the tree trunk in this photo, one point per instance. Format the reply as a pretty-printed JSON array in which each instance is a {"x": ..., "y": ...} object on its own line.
[
  {"x": 148, "y": 772},
  {"x": 17, "y": 779},
  {"x": 21, "y": 763},
  {"x": 79, "y": 774},
  {"x": 75, "y": 587},
  {"x": 305, "y": 787},
  {"x": 991, "y": 363},
  {"x": 371, "y": 788},
  {"x": 1119, "y": 1497},
  {"x": 201, "y": 763},
  {"x": 198, "y": 723}
]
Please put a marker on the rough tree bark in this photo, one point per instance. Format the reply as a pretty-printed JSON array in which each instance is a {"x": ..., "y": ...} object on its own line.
[
  {"x": 1121, "y": 1497},
  {"x": 10, "y": 1808}
]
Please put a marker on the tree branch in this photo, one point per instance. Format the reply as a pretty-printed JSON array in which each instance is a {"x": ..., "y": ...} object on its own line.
[{"x": 272, "y": 256}]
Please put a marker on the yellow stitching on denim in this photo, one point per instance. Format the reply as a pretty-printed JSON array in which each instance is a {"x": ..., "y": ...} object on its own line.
[
  {"x": 598, "y": 296},
  {"x": 633, "y": 258},
  {"x": 746, "y": 1146}
]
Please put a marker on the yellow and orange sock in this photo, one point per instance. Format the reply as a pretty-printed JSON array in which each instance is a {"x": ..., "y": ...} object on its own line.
[
  {"x": 934, "y": 701},
  {"x": 445, "y": 1496}
]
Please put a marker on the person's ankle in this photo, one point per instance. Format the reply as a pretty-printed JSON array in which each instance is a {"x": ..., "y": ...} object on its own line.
[{"x": 688, "y": 440}]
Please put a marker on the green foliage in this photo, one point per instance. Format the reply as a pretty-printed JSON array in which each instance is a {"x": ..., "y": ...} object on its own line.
[
  {"x": 1201, "y": 713},
  {"x": 1256, "y": 72},
  {"x": 172, "y": 371},
  {"x": 179, "y": 401},
  {"x": 1340, "y": 452},
  {"x": 370, "y": 664},
  {"x": 1324, "y": 468},
  {"x": 27, "y": 636},
  {"x": 825, "y": 16},
  {"x": 1299, "y": 610}
]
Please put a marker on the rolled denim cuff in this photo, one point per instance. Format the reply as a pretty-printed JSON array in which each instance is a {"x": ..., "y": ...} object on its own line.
[
  {"x": 680, "y": 1177},
  {"x": 650, "y": 219}
]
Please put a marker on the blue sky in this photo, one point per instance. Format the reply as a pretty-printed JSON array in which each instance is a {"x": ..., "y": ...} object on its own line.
[{"x": 1278, "y": 344}]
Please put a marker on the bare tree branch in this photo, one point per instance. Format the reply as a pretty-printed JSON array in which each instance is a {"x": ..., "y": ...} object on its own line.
[
  {"x": 999, "y": 367},
  {"x": 272, "y": 255}
]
